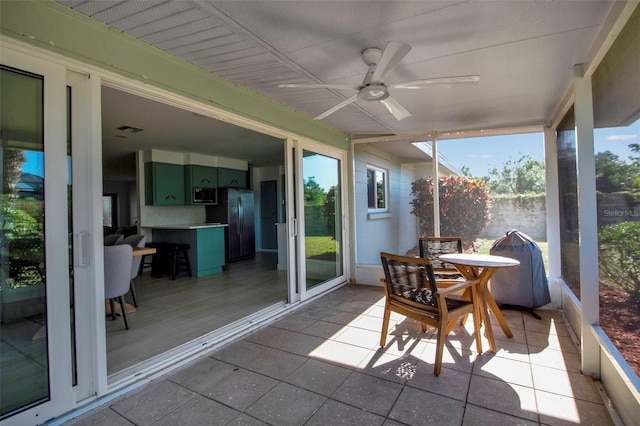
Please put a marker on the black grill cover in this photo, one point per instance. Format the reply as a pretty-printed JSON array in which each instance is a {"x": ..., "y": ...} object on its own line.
[{"x": 525, "y": 285}]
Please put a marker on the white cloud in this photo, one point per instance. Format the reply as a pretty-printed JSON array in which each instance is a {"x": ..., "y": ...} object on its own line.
[{"x": 621, "y": 137}]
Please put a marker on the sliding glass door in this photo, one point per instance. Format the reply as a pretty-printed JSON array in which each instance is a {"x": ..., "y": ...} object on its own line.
[
  {"x": 40, "y": 352},
  {"x": 319, "y": 221},
  {"x": 24, "y": 358}
]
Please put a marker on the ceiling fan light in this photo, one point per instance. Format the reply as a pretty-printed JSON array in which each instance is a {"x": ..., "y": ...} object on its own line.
[{"x": 374, "y": 92}]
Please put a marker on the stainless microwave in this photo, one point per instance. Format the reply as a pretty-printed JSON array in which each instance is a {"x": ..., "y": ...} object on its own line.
[{"x": 205, "y": 196}]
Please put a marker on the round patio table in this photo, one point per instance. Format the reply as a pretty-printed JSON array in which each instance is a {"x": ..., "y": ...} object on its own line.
[{"x": 483, "y": 267}]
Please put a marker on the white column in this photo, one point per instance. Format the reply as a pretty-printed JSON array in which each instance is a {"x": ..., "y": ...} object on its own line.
[
  {"x": 587, "y": 213},
  {"x": 436, "y": 186},
  {"x": 553, "y": 213}
]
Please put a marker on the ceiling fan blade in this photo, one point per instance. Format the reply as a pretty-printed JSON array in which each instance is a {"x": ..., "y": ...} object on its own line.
[
  {"x": 392, "y": 54},
  {"x": 421, "y": 84},
  {"x": 319, "y": 86},
  {"x": 397, "y": 110},
  {"x": 343, "y": 104}
]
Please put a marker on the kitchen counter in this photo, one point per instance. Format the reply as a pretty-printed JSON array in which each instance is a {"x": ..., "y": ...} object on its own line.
[
  {"x": 188, "y": 226},
  {"x": 206, "y": 244}
]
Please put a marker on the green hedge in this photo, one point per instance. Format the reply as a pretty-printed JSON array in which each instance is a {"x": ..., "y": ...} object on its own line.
[{"x": 619, "y": 256}]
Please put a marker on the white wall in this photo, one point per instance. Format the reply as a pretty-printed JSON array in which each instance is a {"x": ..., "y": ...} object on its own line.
[
  {"x": 395, "y": 232},
  {"x": 123, "y": 194}
]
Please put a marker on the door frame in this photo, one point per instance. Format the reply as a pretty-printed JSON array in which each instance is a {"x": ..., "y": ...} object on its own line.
[
  {"x": 295, "y": 219},
  {"x": 86, "y": 137},
  {"x": 61, "y": 395}
]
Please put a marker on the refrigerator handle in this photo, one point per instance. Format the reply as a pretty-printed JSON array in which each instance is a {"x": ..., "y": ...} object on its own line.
[{"x": 240, "y": 216}]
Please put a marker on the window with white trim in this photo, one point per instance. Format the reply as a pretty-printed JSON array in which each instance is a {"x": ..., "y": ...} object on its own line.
[{"x": 377, "y": 189}]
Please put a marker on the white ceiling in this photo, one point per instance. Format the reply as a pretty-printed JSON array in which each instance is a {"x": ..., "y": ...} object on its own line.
[
  {"x": 524, "y": 52},
  {"x": 169, "y": 128}
]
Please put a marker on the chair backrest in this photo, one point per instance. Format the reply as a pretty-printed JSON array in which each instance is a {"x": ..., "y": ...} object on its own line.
[
  {"x": 135, "y": 241},
  {"x": 117, "y": 270},
  {"x": 408, "y": 276},
  {"x": 432, "y": 247},
  {"x": 112, "y": 239}
]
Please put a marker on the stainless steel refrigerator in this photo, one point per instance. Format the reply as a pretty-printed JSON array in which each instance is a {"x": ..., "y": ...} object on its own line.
[{"x": 236, "y": 208}]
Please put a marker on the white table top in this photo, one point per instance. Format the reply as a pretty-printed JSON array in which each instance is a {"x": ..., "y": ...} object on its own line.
[{"x": 480, "y": 260}]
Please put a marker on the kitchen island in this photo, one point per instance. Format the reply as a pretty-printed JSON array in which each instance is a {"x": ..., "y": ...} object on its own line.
[{"x": 206, "y": 244}]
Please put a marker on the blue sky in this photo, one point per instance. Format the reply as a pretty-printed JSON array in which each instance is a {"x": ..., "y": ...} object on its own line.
[
  {"x": 481, "y": 154},
  {"x": 617, "y": 139},
  {"x": 34, "y": 163}
]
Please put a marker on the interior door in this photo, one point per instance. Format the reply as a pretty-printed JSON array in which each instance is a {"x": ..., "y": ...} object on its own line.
[
  {"x": 37, "y": 352},
  {"x": 269, "y": 214}
]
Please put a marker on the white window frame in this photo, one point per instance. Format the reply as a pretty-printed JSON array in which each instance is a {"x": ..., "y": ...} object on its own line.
[{"x": 386, "y": 189}]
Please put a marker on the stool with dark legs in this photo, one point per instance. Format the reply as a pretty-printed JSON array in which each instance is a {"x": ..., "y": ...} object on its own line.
[
  {"x": 172, "y": 258},
  {"x": 180, "y": 262}
]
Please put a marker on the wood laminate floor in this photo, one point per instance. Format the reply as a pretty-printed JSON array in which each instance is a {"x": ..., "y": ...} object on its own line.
[{"x": 171, "y": 313}]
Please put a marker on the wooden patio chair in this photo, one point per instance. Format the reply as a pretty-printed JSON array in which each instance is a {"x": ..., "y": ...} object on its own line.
[
  {"x": 432, "y": 247},
  {"x": 410, "y": 290}
]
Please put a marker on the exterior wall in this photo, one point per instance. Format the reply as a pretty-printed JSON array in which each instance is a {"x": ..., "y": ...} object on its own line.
[
  {"x": 395, "y": 231},
  {"x": 506, "y": 214}
]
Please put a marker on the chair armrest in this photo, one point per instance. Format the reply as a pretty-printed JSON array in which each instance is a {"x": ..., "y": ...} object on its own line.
[
  {"x": 447, "y": 282},
  {"x": 456, "y": 287}
]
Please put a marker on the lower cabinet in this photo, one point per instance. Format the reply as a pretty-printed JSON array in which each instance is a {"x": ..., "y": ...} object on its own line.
[{"x": 206, "y": 247}]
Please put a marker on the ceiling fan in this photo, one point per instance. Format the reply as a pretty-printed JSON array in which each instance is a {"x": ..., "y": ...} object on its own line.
[{"x": 373, "y": 87}]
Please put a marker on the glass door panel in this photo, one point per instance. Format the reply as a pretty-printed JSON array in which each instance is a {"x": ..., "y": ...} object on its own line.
[
  {"x": 323, "y": 254},
  {"x": 24, "y": 361}
]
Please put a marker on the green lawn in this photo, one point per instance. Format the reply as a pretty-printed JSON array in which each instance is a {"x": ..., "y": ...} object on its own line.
[
  {"x": 486, "y": 246},
  {"x": 315, "y": 246}
]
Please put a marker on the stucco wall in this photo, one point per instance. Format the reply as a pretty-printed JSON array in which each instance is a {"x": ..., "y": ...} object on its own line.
[
  {"x": 507, "y": 214},
  {"x": 394, "y": 232}
]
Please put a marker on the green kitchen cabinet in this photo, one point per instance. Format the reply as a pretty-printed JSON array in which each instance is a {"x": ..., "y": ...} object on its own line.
[
  {"x": 201, "y": 183},
  {"x": 197, "y": 176},
  {"x": 210, "y": 253},
  {"x": 164, "y": 184},
  {"x": 231, "y": 178},
  {"x": 206, "y": 246}
]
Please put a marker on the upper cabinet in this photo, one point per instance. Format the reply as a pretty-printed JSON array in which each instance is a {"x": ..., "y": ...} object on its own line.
[
  {"x": 164, "y": 184},
  {"x": 200, "y": 176},
  {"x": 187, "y": 178},
  {"x": 201, "y": 183},
  {"x": 231, "y": 178}
]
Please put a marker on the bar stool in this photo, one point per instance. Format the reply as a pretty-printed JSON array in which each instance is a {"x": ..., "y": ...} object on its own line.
[
  {"x": 147, "y": 260},
  {"x": 171, "y": 256},
  {"x": 180, "y": 260}
]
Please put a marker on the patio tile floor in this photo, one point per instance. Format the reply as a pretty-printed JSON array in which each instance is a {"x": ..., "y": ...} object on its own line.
[{"x": 321, "y": 365}]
